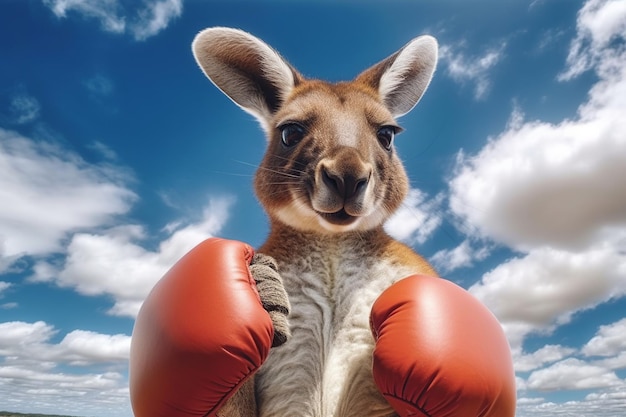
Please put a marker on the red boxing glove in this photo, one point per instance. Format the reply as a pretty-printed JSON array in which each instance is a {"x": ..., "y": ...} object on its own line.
[
  {"x": 200, "y": 334},
  {"x": 440, "y": 353}
]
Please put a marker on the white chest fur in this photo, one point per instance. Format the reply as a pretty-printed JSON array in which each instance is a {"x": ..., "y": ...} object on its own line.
[{"x": 325, "y": 369}]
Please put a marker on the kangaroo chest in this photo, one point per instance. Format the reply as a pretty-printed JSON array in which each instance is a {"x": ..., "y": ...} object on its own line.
[{"x": 325, "y": 369}]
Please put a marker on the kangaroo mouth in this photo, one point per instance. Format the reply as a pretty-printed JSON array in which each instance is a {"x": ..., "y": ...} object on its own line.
[{"x": 340, "y": 218}]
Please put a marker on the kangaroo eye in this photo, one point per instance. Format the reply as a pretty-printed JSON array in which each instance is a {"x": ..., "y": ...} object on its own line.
[
  {"x": 291, "y": 134},
  {"x": 385, "y": 136}
]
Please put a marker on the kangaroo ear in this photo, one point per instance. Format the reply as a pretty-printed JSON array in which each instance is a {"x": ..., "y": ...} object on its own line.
[
  {"x": 402, "y": 78},
  {"x": 246, "y": 69}
]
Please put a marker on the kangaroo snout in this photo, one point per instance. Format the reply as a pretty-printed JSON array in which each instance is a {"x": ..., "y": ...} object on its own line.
[
  {"x": 347, "y": 187},
  {"x": 341, "y": 190}
]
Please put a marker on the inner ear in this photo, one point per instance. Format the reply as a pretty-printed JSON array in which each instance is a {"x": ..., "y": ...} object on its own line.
[
  {"x": 402, "y": 78},
  {"x": 246, "y": 69}
]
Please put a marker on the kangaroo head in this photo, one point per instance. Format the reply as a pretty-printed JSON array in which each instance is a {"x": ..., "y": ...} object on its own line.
[{"x": 330, "y": 164}]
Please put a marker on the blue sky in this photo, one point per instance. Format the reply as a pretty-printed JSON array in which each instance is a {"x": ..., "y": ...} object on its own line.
[{"x": 117, "y": 156}]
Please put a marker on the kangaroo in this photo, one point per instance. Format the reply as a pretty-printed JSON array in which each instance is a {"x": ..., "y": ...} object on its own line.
[{"x": 328, "y": 181}]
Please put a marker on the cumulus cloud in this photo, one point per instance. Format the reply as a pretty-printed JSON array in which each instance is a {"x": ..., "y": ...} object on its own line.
[
  {"x": 15, "y": 336},
  {"x": 548, "y": 184},
  {"x": 48, "y": 191},
  {"x": 81, "y": 347},
  {"x": 464, "y": 255},
  {"x": 22, "y": 343},
  {"x": 544, "y": 355},
  {"x": 610, "y": 340},
  {"x": 471, "y": 69},
  {"x": 599, "y": 23},
  {"x": 572, "y": 373},
  {"x": 146, "y": 19},
  {"x": 33, "y": 369},
  {"x": 115, "y": 263},
  {"x": 609, "y": 403},
  {"x": 573, "y": 369},
  {"x": 416, "y": 219},
  {"x": 545, "y": 287}
]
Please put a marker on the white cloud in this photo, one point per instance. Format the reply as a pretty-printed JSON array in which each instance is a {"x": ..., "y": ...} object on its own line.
[
  {"x": 591, "y": 367},
  {"x": 609, "y": 403},
  {"x": 106, "y": 11},
  {"x": 464, "y": 255},
  {"x": 599, "y": 23},
  {"x": 549, "y": 38},
  {"x": 609, "y": 340},
  {"x": 546, "y": 354},
  {"x": 102, "y": 149},
  {"x": 616, "y": 362},
  {"x": 155, "y": 17},
  {"x": 416, "y": 219},
  {"x": 143, "y": 21},
  {"x": 7, "y": 263},
  {"x": 543, "y": 289},
  {"x": 99, "y": 85},
  {"x": 85, "y": 347},
  {"x": 28, "y": 344},
  {"x": 548, "y": 184},
  {"x": 24, "y": 108},
  {"x": 48, "y": 192},
  {"x": 473, "y": 69},
  {"x": 17, "y": 336},
  {"x": 571, "y": 374},
  {"x": 612, "y": 400},
  {"x": 34, "y": 371},
  {"x": 114, "y": 262}
]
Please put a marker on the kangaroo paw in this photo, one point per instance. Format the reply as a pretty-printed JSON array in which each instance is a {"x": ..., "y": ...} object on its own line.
[{"x": 273, "y": 295}]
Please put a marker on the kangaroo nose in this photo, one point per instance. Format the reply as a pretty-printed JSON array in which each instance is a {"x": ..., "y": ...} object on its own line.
[{"x": 345, "y": 186}]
